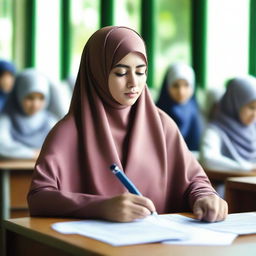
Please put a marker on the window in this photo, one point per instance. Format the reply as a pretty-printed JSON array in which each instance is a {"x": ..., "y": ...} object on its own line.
[
  {"x": 172, "y": 35},
  {"x": 127, "y": 13},
  {"x": 47, "y": 36},
  {"x": 6, "y": 9},
  {"x": 84, "y": 22},
  {"x": 227, "y": 36}
]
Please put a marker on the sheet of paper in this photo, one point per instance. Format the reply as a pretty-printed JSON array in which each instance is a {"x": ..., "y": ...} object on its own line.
[
  {"x": 237, "y": 223},
  {"x": 197, "y": 235},
  {"x": 117, "y": 234},
  {"x": 152, "y": 229}
]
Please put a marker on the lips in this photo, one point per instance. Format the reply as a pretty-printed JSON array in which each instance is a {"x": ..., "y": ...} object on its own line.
[{"x": 131, "y": 94}]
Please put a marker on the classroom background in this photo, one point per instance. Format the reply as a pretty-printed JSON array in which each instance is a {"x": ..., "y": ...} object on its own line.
[{"x": 216, "y": 37}]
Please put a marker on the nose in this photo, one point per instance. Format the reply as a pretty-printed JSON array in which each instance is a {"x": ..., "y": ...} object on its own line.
[
  {"x": 181, "y": 91},
  {"x": 36, "y": 104},
  {"x": 132, "y": 81}
]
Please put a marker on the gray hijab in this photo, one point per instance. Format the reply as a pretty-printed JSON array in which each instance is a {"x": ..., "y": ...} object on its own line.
[
  {"x": 30, "y": 130},
  {"x": 239, "y": 139}
]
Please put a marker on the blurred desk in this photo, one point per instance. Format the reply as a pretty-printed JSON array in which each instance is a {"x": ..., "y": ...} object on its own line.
[
  {"x": 218, "y": 178},
  {"x": 221, "y": 176},
  {"x": 34, "y": 236},
  {"x": 15, "y": 176},
  {"x": 241, "y": 194}
]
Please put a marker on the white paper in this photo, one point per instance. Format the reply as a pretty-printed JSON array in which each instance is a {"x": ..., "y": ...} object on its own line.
[
  {"x": 117, "y": 234},
  {"x": 197, "y": 235},
  {"x": 236, "y": 223},
  {"x": 161, "y": 228}
]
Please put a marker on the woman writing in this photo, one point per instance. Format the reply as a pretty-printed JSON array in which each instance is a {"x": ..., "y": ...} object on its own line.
[{"x": 112, "y": 119}]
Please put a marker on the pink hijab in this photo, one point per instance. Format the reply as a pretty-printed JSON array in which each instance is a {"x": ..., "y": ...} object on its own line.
[
  {"x": 98, "y": 132},
  {"x": 110, "y": 132}
]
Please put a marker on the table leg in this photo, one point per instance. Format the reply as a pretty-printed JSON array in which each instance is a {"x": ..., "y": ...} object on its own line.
[
  {"x": 4, "y": 203},
  {"x": 5, "y": 194}
]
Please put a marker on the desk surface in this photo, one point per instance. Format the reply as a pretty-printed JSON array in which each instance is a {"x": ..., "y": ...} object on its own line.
[
  {"x": 223, "y": 175},
  {"x": 247, "y": 180},
  {"x": 242, "y": 184},
  {"x": 241, "y": 194},
  {"x": 39, "y": 229},
  {"x": 17, "y": 164}
]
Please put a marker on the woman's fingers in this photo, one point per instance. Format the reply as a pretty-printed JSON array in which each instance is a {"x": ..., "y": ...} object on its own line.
[
  {"x": 210, "y": 208},
  {"x": 127, "y": 207}
]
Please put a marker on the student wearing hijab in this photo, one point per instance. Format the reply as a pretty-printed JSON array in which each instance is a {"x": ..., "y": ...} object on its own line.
[
  {"x": 178, "y": 101},
  {"x": 7, "y": 74},
  {"x": 25, "y": 121},
  {"x": 229, "y": 143},
  {"x": 113, "y": 119}
]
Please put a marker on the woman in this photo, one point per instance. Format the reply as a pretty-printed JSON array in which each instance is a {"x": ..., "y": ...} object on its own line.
[
  {"x": 229, "y": 143},
  {"x": 112, "y": 119},
  {"x": 177, "y": 100},
  {"x": 25, "y": 121},
  {"x": 7, "y": 76}
]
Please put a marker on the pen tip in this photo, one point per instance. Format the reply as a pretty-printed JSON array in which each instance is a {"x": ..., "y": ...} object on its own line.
[{"x": 112, "y": 167}]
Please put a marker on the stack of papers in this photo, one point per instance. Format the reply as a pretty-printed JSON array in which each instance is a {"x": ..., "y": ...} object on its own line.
[{"x": 171, "y": 229}]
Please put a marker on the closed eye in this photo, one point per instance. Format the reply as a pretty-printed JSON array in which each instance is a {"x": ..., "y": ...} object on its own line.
[
  {"x": 140, "y": 73},
  {"x": 120, "y": 74}
]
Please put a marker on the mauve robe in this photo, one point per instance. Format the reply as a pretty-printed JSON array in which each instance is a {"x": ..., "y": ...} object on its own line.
[
  {"x": 72, "y": 194},
  {"x": 72, "y": 173}
]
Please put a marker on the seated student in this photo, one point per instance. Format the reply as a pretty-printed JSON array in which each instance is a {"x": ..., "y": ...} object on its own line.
[
  {"x": 177, "y": 100},
  {"x": 211, "y": 102},
  {"x": 229, "y": 142},
  {"x": 59, "y": 99},
  {"x": 113, "y": 119},
  {"x": 25, "y": 121},
  {"x": 7, "y": 73}
]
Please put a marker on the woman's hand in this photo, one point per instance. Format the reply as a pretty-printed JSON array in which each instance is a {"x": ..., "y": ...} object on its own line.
[
  {"x": 126, "y": 207},
  {"x": 210, "y": 208}
]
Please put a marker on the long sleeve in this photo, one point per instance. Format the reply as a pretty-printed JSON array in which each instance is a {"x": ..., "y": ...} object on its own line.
[
  {"x": 55, "y": 192},
  {"x": 188, "y": 180},
  {"x": 8, "y": 146},
  {"x": 212, "y": 158}
]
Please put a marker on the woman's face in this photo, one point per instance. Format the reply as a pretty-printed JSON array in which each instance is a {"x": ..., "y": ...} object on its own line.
[
  {"x": 180, "y": 91},
  {"x": 247, "y": 113},
  {"x": 33, "y": 103},
  {"x": 127, "y": 79},
  {"x": 6, "y": 82}
]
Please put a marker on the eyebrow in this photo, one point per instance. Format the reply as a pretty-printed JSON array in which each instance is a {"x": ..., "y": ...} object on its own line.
[{"x": 126, "y": 66}]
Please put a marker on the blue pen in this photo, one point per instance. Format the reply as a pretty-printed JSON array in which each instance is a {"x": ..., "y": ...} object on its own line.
[{"x": 125, "y": 180}]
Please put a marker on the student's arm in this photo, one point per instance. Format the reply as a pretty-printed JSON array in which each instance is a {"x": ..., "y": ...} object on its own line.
[
  {"x": 212, "y": 158},
  {"x": 53, "y": 192},
  {"x": 190, "y": 182},
  {"x": 50, "y": 201},
  {"x": 10, "y": 148}
]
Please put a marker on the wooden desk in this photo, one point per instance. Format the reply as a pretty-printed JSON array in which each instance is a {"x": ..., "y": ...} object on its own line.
[
  {"x": 20, "y": 170},
  {"x": 15, "y": 176},
  {"x": 241, "y": 194},
  {"x": 218, "y": 178},
  {"x": 221, "y": 176},
  {"x": 34, "y": 236}
]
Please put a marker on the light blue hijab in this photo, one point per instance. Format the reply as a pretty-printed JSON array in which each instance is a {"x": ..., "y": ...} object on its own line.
[
  {"x": 239, "y": 139},
  {"x": 30, "y": 130}
]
